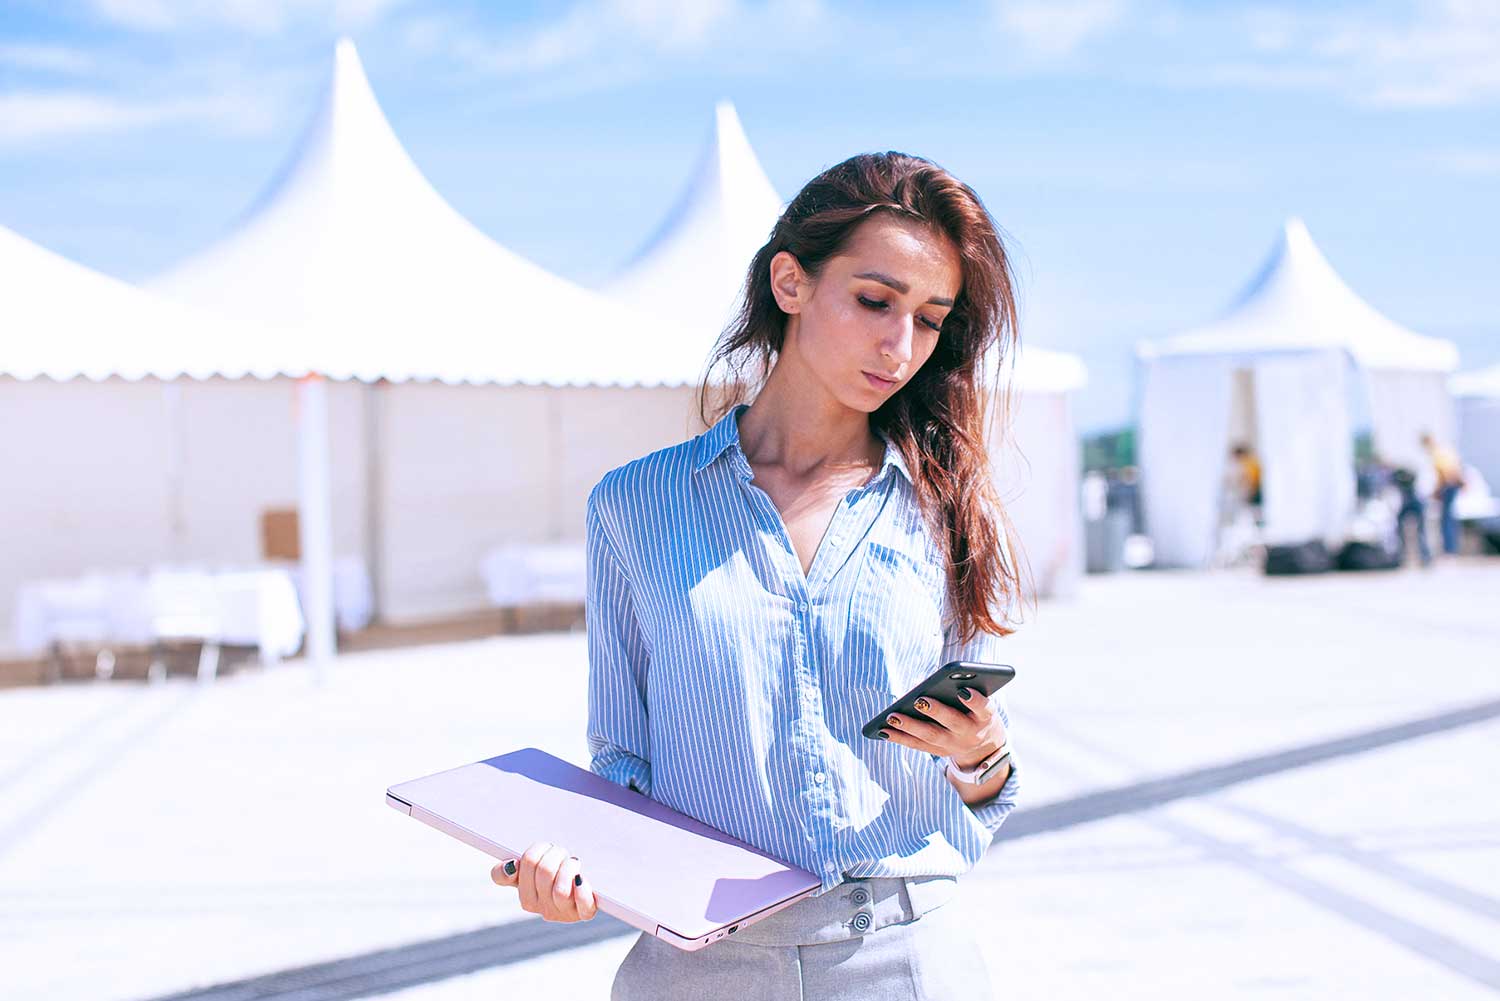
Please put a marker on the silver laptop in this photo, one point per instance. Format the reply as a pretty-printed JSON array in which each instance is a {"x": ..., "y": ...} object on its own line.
[{"x": 655, "y": 868}]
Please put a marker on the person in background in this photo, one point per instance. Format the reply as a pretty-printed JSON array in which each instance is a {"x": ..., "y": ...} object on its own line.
[
  {"x": 1412, "y": 509},
  {"x": 1450, "y": 478},
  {"x": 1248, "y": 470}
]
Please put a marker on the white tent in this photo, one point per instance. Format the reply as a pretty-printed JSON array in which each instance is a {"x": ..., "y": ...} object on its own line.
[
  {"x": 695, "y": 263},
  {"x": 499, "y": 385},
  {"x": 352, "y": 244},
  {"x": 1478, "y": 397},
  {"x": 66, "y": 321},
  {"x": 1285, "y": 369},
  {"x": 107, "y": 390},
  {"x": 1038, "y": 475}
]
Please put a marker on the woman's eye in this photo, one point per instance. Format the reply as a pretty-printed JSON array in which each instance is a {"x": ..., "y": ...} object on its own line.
[
  {"x": 871, "y": 303},
  {"x": 938, "y": 326}
]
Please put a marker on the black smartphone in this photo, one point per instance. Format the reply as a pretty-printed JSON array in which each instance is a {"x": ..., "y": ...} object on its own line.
[{"x": 943, "y": 685}]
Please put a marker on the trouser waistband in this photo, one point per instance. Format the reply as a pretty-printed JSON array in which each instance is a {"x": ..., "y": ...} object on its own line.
[{"x": 857, "y": 906}]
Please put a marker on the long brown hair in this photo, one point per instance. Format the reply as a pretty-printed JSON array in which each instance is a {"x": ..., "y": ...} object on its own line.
[{"x": 938, "y": 419}]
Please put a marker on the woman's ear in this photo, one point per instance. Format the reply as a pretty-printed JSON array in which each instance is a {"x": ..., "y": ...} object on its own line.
[{"x": 787, "y": 282}]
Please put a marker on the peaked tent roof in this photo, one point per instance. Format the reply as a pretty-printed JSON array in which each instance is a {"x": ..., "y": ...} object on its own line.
[
  {"x": 1484, "y": 382},
  {"x": 70, "y": 321},
  {"x": 1299, "y": 302},
  {"x": 697, "y": 258},
  {"x": 352, "y": 244},
  {"x": 1040, "y": 370}
]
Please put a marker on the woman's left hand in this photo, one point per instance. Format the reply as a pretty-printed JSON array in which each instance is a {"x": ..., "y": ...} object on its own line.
[{"x": 965, "y": 736}]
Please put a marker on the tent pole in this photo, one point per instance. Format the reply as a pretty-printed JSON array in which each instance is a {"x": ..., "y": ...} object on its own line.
[
  {"x": 374, "y": 394},
  {"x": 176, "y": 465},
  {"x": 315, "y": 520}
]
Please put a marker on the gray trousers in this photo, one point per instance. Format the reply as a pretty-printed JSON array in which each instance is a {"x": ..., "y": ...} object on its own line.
[{"x": 871, "y": 939}]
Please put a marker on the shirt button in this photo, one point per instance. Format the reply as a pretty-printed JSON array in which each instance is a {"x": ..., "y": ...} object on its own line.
[{"x": 818, "y": 778}]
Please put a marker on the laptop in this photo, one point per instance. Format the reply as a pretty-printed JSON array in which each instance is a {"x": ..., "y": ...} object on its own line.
[{"x": 652, "y": 867}]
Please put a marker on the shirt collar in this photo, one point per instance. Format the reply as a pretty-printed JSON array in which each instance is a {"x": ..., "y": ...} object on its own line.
[{"x": 726, "y": 433}]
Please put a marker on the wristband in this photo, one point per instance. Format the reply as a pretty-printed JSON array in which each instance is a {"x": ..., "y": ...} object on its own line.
[{"x": 984, "y": 770}]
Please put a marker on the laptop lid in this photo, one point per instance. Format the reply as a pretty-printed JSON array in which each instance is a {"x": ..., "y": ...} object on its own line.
[{"x": 654, "y": 861}]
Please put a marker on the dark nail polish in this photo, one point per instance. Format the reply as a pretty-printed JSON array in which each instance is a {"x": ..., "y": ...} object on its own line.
[
  {"x": 883, "y": 735},
  {"x": 578, "y": 879},
  {"x": 965, "y": 693},
  {"x": 510, "y": 868}
]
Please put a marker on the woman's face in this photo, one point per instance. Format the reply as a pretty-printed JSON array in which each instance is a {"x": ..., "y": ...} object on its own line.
[{"x": 871, "y": 319}]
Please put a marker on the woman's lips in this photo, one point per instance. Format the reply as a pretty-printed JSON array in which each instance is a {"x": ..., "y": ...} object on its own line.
[{"x": 878, "y": 382}]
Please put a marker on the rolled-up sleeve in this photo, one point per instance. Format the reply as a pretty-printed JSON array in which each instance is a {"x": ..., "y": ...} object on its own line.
[
  {"x": 619, "y": 735},
  {"x": 984, "y": 648}
]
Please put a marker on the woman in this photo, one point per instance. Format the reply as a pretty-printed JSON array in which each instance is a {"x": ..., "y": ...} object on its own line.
[{"x": 783, "y": 576}]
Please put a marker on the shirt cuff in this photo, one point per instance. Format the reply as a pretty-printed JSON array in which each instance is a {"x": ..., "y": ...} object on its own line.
[
  {"x": 992, "y": 812},
  {"x": 625, "y": 769}
]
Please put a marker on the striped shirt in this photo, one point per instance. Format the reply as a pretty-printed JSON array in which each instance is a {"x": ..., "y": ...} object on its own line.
[{"x": 730, "y": 686}]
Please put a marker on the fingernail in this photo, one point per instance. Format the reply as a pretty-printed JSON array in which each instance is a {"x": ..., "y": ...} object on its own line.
[
  {"x": 883, "y": 735},
  {"x": 964, "y": 693},
  {"x": 510, "y": 868},
  {"x": 893, "y": 721},
  {"x": 578, "y": 879},
  {"x": 921, "y": 704}
]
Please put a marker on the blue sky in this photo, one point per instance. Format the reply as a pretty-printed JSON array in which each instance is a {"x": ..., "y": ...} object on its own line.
[{"x": 1141, "y": 154}]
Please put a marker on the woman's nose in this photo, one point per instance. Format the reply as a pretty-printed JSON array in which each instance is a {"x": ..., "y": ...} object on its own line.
[{"x": 897, "y": 343}]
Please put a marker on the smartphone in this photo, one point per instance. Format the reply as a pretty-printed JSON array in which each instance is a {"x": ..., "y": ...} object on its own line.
[{"x": 943, "y": 685}]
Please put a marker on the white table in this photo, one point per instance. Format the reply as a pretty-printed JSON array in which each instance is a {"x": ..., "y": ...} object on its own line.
[
  {"x": 531, "y": 573},
  {"x": 353, "y": 594},
  {"x": 255, "y": 607}
]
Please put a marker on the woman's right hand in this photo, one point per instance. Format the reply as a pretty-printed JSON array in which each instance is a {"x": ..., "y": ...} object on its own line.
[{"x": 550, "y": 882}]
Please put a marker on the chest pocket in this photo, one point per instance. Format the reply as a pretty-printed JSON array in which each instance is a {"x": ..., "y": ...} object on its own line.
[{"x": 894, "y": 635}]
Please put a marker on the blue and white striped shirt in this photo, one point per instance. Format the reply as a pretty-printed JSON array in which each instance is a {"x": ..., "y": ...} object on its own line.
[{"x": 730, "y": 686}]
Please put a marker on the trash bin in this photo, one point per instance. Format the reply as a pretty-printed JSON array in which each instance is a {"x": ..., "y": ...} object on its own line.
[{"x": 1104, "y": 541}]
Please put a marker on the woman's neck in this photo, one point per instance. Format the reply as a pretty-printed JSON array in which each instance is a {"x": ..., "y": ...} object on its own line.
[{"x": 796, "y": 425}]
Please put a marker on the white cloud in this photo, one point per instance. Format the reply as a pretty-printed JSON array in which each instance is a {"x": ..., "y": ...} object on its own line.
[
  {"x": 34, "y": 117},
  {"x": 1475, "y": 162},
  {"x": 1442, "y": 53},
  {"x": 46, "y": 58},
  {"x": 611, "y": 31},
  {"x": 258, "y": 16},
  {"x": 1053, "y": 29}
]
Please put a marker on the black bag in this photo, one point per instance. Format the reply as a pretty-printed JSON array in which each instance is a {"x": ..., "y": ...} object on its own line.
[
  {"x": 1305, "y": 557},
  {"x": 1367, "y": 556},
  {"x": 1489, "y": 531}
]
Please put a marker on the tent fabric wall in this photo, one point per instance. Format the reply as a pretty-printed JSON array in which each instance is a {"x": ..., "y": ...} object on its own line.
[
  {"x": 96, "y": 465},
  {"x": 1402, "y": 406},
  {"x": 1296, "y": 405},
  {"x": 1183, "y": 442},
  {"x": 1037, "y": 475},
  {"x": 1305, "y": 445},
  {"x": 1478, "y": 434},
  {"x": 467, "y": 468}
]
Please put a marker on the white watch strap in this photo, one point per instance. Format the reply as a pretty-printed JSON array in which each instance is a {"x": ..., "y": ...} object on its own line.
[{"x": 985, "y": 770}]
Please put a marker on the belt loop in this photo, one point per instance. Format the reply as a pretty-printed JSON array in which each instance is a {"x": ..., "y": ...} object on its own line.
[{"x": 908, "y": 908}]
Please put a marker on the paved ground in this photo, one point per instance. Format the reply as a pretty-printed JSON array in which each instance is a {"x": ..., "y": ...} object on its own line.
[{"x": 161, "y": 838}]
